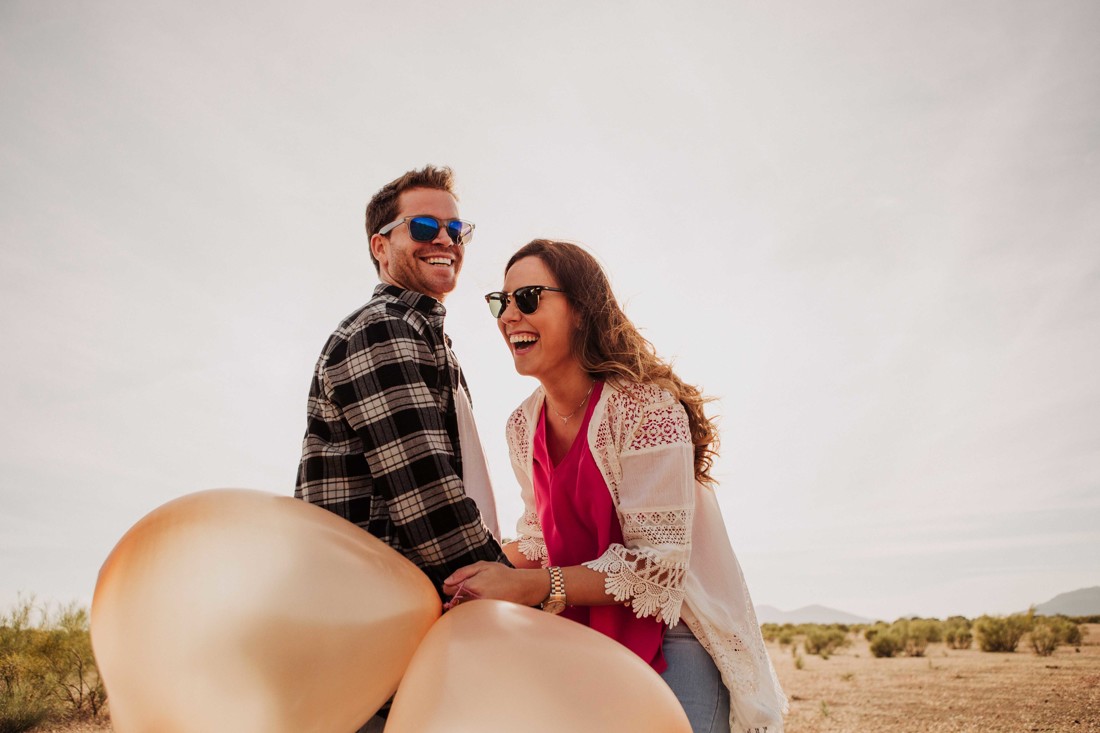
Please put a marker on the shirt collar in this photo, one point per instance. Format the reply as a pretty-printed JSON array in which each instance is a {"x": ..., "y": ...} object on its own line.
[{"x": 426, "y": 304}]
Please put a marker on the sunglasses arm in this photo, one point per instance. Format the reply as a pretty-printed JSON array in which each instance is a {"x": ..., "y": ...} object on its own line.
[{"x": 390, "y": 227}]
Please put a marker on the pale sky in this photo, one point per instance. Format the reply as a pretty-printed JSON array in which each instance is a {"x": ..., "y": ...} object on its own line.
[{"x": 872, "y": 229}]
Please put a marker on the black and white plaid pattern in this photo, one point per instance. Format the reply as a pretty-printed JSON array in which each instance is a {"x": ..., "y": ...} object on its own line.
[{"x": 381, "y": 447}]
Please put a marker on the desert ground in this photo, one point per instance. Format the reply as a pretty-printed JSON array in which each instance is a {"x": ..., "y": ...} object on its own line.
[{"x": 946, "y": 691}]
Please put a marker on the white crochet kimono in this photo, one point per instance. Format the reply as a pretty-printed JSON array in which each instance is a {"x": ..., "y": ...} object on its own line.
[{"x": 677, "y": 561}]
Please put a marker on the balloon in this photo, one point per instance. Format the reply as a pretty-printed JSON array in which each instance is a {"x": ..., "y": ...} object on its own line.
[
  {"x": 490, "y": 666},
  {"x": 239, "y": 611}
]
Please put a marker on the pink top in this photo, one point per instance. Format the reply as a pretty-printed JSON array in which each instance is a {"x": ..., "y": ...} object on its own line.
[{"x": 579, "y": 523}]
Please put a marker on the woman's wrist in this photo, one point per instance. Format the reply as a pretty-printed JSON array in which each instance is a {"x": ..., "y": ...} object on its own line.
[{"x": 538, "y": 586}]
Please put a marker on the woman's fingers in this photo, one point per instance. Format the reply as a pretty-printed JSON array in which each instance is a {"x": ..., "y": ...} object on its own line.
[{"x": 461, "y": 575}]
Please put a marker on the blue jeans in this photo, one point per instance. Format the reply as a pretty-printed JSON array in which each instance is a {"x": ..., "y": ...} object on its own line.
[{"x": 696, "y": 681}]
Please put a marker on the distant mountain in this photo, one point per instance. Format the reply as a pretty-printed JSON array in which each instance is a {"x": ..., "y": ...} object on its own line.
[
  {"x": 1083, "y": 602},
  {"x": 807, "y": 615}
]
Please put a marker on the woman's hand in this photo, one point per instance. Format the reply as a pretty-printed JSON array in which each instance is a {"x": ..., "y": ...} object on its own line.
[{"x": 494, "y": 580}]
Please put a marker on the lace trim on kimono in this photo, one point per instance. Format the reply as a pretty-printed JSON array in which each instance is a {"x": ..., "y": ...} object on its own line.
[
  {"x": 533, "y": 547},
  {"x": 744, "y": 666},
  {"x": 609, "y": 468},
  {"x": 666, "y": 527},
  {"x": 662, "y": 425},
  {"x": 638, "y": 417},
  {"x": 518, "y": 440},
  {"x": 652, "y": 588}
]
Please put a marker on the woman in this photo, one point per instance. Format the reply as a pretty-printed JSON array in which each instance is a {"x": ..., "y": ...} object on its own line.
[{"x": 621, "y": 529}]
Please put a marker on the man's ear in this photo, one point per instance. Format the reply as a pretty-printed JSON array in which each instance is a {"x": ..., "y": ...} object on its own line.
[{"x": 378, "y": 248}]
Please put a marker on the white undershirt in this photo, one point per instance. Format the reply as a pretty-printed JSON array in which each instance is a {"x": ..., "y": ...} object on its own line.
[{"x": 475, "y": 469}]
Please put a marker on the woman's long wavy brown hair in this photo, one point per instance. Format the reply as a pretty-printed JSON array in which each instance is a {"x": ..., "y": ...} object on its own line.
[{"x": 608, "y": 345}]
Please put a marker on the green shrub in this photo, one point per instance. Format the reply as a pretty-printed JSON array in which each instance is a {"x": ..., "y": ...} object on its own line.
[
  {"x": 1001, "y": 633},
  {"x": 935, "y": 630},
  {"x": 956, "y": 633},
  {"x": 26, "y": 697},
  {"x": 68, "y": 653},
  {"x": 1044, "y": 638},
  {"x": 17, "y": 716},
  {"x": 47, "y": 669},
  {"x": 20, "y": 711},
  {"x": 1070, "y": 632},
  {"x": 25, "y": 693},
  {"x": 917, "y": 634},
  {"x": 824, "y": 640},
  {"x": 1050, "y": 632},
  {"x": 886, "y": 644},
  {"x": 872, "y": 631}
]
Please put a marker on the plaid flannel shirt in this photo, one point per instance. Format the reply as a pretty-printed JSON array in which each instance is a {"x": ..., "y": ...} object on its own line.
[{"x": 381, "y": 447}]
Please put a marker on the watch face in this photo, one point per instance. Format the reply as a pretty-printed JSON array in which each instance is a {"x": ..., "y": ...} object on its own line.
[{"x": 553, "y": 606}]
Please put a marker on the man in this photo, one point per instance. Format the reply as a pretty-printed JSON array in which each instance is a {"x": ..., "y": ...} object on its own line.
[{"x": 390, "y": 432}]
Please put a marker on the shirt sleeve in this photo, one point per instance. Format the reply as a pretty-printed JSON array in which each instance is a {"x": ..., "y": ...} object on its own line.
[
  {"x": 386, "y": 383},
  {"x": 656, "y": 504}
]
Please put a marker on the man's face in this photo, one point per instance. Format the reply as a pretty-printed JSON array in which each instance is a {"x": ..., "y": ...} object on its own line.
[{"x": 430, "y": 268}]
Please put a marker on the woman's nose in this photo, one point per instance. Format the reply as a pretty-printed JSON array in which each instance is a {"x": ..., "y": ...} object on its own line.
[{"x": 510, "y": 314}]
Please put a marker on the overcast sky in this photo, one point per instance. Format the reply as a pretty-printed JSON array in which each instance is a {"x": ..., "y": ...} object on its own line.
[{"x": 872, "y": 229}]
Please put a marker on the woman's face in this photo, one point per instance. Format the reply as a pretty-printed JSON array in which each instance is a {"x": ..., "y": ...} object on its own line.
[{"x": 540, "y": 342}]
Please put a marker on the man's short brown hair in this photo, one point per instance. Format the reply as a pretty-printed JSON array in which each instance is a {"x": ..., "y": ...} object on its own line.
[{"x": 382, "y": 208}]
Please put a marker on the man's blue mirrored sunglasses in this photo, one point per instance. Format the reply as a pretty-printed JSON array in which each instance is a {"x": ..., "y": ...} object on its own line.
[{"x": 423, "y": 228}]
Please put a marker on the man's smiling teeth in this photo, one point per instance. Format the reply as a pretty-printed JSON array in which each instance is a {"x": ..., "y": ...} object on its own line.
[{"x": 438, "y": 260}]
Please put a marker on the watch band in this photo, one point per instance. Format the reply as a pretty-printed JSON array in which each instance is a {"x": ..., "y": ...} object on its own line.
[{"x": 555, "y": 601}]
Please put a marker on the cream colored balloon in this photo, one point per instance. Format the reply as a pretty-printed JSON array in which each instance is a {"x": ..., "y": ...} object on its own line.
[
  {"x": 239, "y": 611},
  {"x": 493, "y": 666}
]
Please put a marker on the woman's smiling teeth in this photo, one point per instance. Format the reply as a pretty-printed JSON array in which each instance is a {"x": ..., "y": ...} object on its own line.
[{"x": 522, "y": 341}]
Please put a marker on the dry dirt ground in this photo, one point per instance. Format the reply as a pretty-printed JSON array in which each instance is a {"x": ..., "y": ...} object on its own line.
[{"x": 946, "y": 691}]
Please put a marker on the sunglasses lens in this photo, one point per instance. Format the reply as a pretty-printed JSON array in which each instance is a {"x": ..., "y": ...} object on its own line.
[
  {"x": 423, "y": 228},
  {"x": 458, "y": 231},
  {"x": 527, "y": 299},
  {"x": 497, "y": 303}
]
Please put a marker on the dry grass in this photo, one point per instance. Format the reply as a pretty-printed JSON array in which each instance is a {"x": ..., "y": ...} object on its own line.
[
  {"x": 946, "y": 691},
  {"x": 84, "y": 727}
]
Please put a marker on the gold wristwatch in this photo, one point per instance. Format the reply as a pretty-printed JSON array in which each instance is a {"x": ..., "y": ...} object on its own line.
[{"x": 555, "y": 602}]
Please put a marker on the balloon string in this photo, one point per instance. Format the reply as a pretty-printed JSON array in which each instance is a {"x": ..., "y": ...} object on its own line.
[{"x": 460, "y": 595}]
